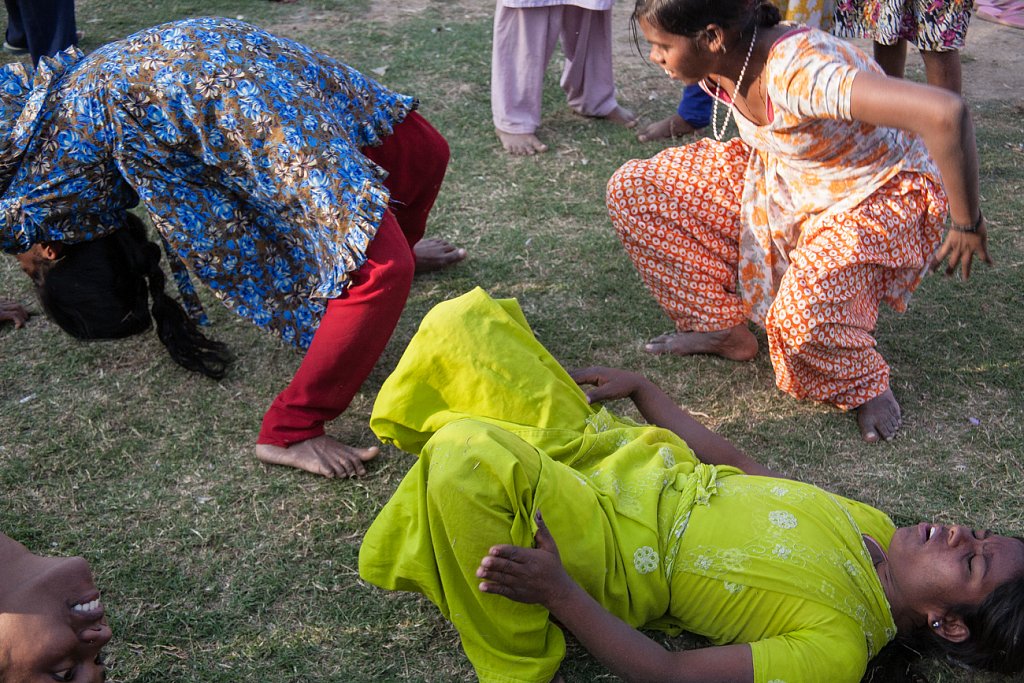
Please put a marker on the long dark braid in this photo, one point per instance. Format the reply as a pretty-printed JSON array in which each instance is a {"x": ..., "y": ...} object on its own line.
[{"x": 101, "y": 290}]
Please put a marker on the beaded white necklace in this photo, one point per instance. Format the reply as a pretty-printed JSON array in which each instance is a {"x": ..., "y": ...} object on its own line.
[{"x": 719, "y": 134}]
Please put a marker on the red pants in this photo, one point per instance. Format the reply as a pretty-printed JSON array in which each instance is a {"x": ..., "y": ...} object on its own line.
[{"x": 356, "y": 326}]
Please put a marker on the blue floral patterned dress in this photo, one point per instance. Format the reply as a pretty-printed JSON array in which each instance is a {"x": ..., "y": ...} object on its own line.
[{"x": 243, "y": 147}]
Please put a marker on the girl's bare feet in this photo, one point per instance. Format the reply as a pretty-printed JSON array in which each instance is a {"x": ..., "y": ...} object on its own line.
[
  {"x": 879, "y": 418},
  {"x": 736, "y": 343},
  {"x": 434, "y": 254},
  {"x": 320, "y": 455},
  {"x": 670, "y": 127},
  {"x": 520, "y": 144}
]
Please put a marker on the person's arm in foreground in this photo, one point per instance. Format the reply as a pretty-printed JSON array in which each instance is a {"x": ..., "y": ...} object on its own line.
[
  {"x": 9, "y": 310},
  {"x": 660, "y": 410},
  {"x": 536, "y": 575},
  {"x": 943, "y": 121}
]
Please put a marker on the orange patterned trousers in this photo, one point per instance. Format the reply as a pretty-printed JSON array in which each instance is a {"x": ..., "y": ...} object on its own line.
[{"x": 678, "y": 216}]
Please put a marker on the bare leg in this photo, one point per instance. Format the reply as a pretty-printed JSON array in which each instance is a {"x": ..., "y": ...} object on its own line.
[
  {"x": 434, "y": 254},
  {"x": 879, "y": 418},
  {"x": 520, "y": 144},
  {"x": 319, "y": 455},
  {"x": 892, "y": 58},
  {"x": 736, "y": 343},
  {"x": 942, "y": 69},
  {"x": 667, "y": 128}
]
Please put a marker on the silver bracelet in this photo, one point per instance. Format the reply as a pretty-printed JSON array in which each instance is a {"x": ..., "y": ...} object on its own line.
[{"x": 970, "y": 229}]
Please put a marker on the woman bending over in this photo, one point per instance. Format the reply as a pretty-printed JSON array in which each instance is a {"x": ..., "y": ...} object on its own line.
[
  {"x": 831, "y": 201},
  {"x": 662, "y": 526},
  {"x": 291, "y": 185}
]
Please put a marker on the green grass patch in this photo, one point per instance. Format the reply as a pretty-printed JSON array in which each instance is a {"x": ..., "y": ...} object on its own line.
[{"x": 216, "y": 568}]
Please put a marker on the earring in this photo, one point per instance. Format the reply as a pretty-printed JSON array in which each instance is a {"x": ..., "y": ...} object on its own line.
[{"x": 936, "y": 624}]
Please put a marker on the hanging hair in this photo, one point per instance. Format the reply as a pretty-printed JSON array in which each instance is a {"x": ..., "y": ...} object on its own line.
[
  {"x": 690, "y": 17},
  {"x": 101, "y": 289}
]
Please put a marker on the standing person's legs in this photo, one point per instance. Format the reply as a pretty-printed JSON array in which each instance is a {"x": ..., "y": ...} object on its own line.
[
  {"x": 677, "y": 215},
  {"x": 44, "y": 27},
  {"x": 416, "y": 157},
  {"x": 892, "y": 58},
  {"x": 587, "y": 79},
  {"x": 353, "y": 332},
  {"x": 357, "y": 326},
  {"x": 524, "y": 39},
  {"x": 14, "y": 38},
  {"x": 942, "y": 69},
  {"x": 941, "y": 34}
]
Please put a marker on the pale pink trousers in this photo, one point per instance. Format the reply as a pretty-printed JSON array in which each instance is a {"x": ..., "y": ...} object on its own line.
[{"x": 525, "y": 39}]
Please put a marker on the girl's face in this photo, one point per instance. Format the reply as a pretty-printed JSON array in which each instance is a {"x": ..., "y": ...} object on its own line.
[
  {"x": 52, "y": 625},
  {"x": 682, "y": 58}
]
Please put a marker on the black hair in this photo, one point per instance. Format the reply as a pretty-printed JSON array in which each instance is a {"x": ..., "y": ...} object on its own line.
[
  {"x": 101, "y": 289},
  {"x": 690, "y": 17},
  {"x": 996, "y": 627},
  {"x": 995, "y": 643}
]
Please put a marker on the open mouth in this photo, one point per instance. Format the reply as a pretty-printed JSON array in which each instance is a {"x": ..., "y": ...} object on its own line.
[{"x": 89, "y": 609}]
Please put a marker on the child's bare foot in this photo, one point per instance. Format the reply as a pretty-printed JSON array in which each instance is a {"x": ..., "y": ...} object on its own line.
[
  {"x": 319, "y": 455},
  {"x": 434, "y": 254},
  {"x": 879, "y": 418},
  {"x": 670, "y": 127},
  {"x": 736, "y": 343},
  {"x": 520, "y": 144}
]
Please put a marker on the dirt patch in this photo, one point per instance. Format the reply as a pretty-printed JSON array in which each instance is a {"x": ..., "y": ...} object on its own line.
[{"x": 389, "y": 11}]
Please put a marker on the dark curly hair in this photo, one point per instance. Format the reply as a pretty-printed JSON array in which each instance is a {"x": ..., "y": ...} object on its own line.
[{"x": 101, "y": 289}]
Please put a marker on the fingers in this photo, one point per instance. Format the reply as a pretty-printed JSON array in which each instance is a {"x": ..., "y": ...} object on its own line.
[
  {"x": 544, "y": 539},
  {"x": 589, "y": 375}
]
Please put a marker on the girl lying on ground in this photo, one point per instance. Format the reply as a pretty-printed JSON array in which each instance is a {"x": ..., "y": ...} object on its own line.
[
  {"x": 293, "y": 186},
  {"x": 52, "y": 625},
  {"x": 831, "y": 201},
  {"x": 662, "y": 526}
]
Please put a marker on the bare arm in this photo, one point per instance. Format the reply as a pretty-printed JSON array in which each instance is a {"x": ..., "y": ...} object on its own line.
[
  {"x": 658, "y": 409},
  {"x": 536, "y": 575},
  {"x": 943, "y": 121}
]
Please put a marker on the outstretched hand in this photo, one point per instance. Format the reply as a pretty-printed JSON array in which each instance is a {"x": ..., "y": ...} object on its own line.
[
  {"x": 529, "y": 575},
  {"x": 960, "y": 248},
  {"x": 609, "y": 383},
  {"x": 13, "y": 312}
]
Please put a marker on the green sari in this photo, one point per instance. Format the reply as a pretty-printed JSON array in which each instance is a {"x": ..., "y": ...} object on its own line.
[{"x": 502, "y": 430}]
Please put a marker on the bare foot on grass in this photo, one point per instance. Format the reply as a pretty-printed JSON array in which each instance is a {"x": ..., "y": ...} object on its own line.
[
  {"x": 736, "y": 343},
  {"x": 434, "y": 254},
  {"x": 879, "y": 418},
  {"x": 619, "y": 115},
  {"x": 668, "y": 128},
  {"x": 622, "y": 116},
  {"x": 521, "y": 144},
  {"x": 320, "y": 455}
]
